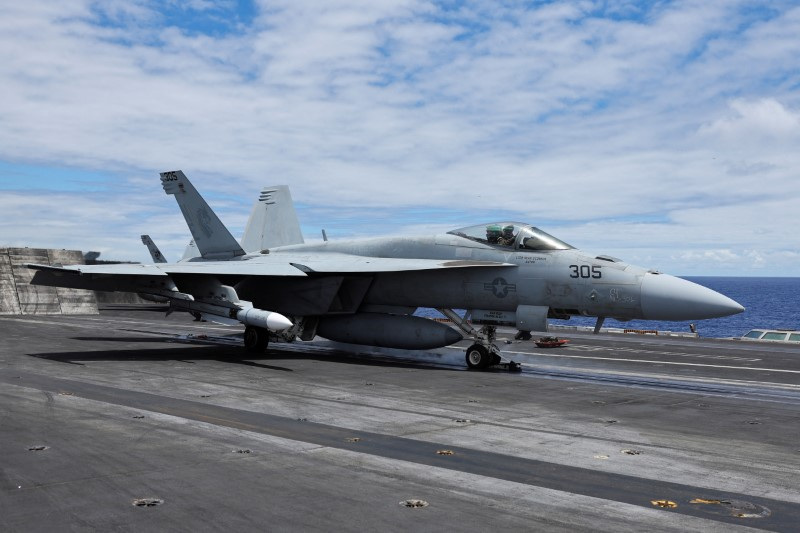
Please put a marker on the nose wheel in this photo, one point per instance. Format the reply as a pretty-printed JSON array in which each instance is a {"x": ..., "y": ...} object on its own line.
[{"x": 523, "y": 335}]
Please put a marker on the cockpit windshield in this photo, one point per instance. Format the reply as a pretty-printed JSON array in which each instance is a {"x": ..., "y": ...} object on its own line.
[{"x": 512, "y": 235}]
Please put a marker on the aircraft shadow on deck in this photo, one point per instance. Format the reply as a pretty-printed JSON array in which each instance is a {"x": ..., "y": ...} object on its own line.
[
  {"x": 190, "y": 351},
  {"x": 185, "y": 354}
]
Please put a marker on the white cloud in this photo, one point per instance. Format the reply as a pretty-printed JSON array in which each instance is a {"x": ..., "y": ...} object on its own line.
[
  {"x": 760, "y": 121},
  {"x": 682, "y": 112},
  {"x": 719, "y": 256}
]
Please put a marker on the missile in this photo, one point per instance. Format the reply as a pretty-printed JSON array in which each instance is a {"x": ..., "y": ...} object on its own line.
[
  {"x": 263, "y": 319},
  {"x": 388, "y": 331}
]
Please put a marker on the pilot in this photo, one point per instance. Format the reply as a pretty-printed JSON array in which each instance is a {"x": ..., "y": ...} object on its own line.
[
  {"x": 493, "y": 234},
  {"x": 508, "y": 237}
]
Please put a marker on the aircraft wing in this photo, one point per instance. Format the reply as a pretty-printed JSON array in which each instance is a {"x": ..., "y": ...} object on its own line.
[
  {"x": 216, "y": 268},
  {"x": 291, "y": 265},
  {"x": 161, "y": 278},
  {"x": 122, "y": 269},
  {"x": 135, "y": 277},
  {"x": 350, "y": 264},
  {"x": 279, "y": 266},
  {"x": 115, "y": 277},
  {"x": 295, "y": 284}
]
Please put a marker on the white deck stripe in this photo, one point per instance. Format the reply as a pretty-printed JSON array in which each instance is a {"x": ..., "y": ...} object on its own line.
[{"x": 655, "y": 362}]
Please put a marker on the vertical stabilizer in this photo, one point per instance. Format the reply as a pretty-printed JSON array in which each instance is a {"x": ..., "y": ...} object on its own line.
[
  {"x": 211, "y": 237},
  {"x": 155, "y": 253},
  {"x": 273, "y": 221},
  {"x": 191, "y": 251}
]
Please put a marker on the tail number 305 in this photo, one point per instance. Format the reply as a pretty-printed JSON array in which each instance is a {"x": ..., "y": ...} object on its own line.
[{"x": 585, "y": 271}]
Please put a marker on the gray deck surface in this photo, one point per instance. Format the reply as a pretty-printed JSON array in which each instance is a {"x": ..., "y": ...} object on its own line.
[{"x": 131, "y": 405}]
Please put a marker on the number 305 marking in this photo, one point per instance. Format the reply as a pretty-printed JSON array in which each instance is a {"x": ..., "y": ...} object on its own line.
[{"x": 586, "y": 271}]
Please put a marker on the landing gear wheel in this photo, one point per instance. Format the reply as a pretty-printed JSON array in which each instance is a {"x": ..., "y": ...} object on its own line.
[
  {"x": 255, "y": 339},
  {"x": 479, "y": 357}
]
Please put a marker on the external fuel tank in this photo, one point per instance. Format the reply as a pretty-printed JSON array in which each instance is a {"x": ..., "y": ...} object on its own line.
[{"x": 389, "y": 331}]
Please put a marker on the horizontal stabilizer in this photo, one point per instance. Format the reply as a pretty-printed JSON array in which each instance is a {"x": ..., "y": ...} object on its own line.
[{"x": 191, "y": 251}]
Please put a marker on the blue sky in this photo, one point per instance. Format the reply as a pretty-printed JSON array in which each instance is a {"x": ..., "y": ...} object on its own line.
[{"x": 664, "y": 133}]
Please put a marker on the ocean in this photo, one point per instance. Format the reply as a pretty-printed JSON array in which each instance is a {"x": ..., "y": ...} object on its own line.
[{"x": 772, "y": 303}]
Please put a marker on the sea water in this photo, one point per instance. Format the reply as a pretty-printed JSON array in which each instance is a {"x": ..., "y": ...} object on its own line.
[{"x": 772, "y": 303}]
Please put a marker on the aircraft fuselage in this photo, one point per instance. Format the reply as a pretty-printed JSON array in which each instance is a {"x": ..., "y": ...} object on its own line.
[{"x": 567, "y": 282}]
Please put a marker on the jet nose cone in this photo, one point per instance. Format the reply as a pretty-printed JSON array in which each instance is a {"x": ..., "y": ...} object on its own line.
[{"x": 669, "y": 298}]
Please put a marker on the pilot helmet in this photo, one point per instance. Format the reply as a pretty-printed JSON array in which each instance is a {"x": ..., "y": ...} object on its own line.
[
  {"x": 508, "y": 231},
  {"x": 493, "y": 231}
]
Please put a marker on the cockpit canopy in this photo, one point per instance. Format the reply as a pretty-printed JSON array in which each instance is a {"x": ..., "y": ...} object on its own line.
[{"x": 511, "y": 235}]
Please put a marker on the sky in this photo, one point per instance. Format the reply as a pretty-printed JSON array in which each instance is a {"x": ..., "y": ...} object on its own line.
[{"x": 663, "y": 133}]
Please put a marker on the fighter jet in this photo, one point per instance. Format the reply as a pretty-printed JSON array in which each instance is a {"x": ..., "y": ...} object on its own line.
[{"x": 365, "y": 291}]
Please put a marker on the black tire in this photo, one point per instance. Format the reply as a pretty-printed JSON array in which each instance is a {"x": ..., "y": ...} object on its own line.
[
  {"x": 255, "y": 339},
  {"x": 523, "y": 336},
  {"x": 478, "y": 357}
]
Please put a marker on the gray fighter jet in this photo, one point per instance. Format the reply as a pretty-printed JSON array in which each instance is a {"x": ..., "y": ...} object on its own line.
[{"x": 366, "y": 291}]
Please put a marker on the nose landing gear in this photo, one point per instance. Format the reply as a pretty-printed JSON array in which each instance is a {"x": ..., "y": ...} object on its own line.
[
  {"x": 523, "y": 335},
  {"x": 484, "y": 353}
]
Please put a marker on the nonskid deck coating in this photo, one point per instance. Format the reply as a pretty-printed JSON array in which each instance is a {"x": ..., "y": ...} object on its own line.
[{"x": 403, "y": 411}]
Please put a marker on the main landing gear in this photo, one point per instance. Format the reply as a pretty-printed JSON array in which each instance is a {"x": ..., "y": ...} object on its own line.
[
  {"x": 480, "y": 357},
  {"x": 484, "y": 353},
  {"x": 256, "y": 339}
]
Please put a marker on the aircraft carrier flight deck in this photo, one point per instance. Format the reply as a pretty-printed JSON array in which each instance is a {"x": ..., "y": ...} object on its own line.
[{"x": 125, "y": 421}]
